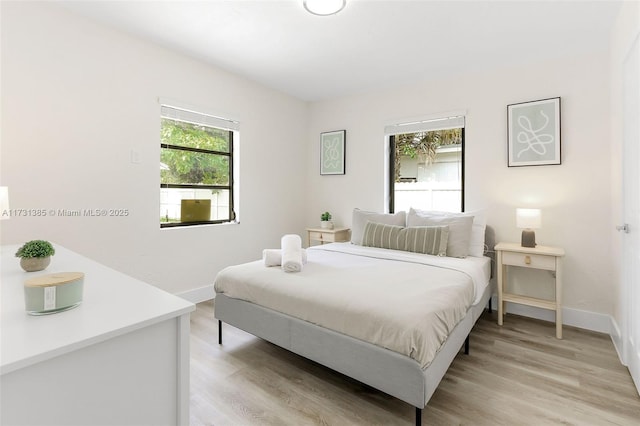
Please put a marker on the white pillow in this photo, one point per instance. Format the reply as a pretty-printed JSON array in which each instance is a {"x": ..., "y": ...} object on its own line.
[
  {"x": 476, "y": 244},
  {"x": 459, "y": 230},
  {"x": 361, "y": 217},
  {"x": 476, "y": 241}
]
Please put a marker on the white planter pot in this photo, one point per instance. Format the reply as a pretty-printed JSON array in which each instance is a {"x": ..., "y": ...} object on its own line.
[{"x": 326, "y": 224}]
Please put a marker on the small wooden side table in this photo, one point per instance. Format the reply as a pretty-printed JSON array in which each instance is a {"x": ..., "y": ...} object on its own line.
[
  {"x": 325, "y": 235},
  {"x": 539, "y": 257}
]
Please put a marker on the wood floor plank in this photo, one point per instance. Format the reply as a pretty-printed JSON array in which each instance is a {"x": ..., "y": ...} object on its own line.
[{"x": 517, "y": 374}]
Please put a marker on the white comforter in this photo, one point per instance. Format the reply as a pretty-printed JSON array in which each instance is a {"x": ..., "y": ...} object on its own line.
[{"x": 405, "y": 302}]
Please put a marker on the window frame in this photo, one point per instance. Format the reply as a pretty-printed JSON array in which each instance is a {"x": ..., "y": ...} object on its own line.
[
  {"x": 231, "y": 185},
  {"x": 392, "y": 165}
]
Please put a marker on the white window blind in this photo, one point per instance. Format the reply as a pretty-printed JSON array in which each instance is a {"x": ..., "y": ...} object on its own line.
[
  {"x": 187, "y": 116},
  {"x": 444, "y": 123}
]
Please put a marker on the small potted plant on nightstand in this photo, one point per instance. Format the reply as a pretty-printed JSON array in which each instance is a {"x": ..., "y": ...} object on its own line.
[
  {"x": 325, "y": 221},
  {"x": 35, "y": 255}
]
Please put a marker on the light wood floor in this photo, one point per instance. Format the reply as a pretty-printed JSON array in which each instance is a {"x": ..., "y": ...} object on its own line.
[{"x": 517, "y": 374}]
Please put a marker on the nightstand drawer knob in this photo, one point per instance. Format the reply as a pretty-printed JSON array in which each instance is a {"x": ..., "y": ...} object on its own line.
[{"x": 527, "y": 260}]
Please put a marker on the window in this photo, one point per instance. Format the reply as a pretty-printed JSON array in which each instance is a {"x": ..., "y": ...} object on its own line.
[
  {"x": 426, "y": 165},
  {"x": 196, "y": 168}
]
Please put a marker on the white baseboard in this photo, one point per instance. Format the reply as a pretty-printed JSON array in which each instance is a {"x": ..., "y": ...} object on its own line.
[
  {"x": 616, "y": 337},
  {"x": 198, "y": 295},
  {"x": 574, "y": 317}
]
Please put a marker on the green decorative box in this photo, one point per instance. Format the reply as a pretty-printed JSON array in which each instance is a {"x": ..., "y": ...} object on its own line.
[{"x": 52, "y": 293}]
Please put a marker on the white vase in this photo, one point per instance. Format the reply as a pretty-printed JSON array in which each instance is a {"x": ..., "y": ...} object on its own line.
[{"x": 326, "y": 224}]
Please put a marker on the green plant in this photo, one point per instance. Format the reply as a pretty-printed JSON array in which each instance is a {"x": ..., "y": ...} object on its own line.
[
  {"x": 325, "y": 216},
  {"x": 36, "y": 248}
]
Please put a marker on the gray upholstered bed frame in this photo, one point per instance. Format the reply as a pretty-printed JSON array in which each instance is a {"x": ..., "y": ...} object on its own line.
[{"x": 385, "y": 370}]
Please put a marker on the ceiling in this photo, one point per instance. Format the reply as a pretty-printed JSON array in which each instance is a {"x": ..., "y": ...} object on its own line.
[{"x": 371, "y": 44}]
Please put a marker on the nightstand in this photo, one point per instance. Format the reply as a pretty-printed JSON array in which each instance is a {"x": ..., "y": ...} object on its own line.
[
  {"x": 324, "y": 235},
  {"x": 539, "y": 257}
]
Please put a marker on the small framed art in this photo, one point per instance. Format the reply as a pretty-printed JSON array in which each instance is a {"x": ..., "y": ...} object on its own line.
[
  {"x": 332, "y": 158},
  {"x": 533, "y": 137}
]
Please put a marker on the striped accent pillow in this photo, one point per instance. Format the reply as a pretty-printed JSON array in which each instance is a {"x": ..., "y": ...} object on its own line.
[
  {"x": 384, "y": 236},
  {"x": 427, "y": 239},
  {"x": 418, "y": 239}
]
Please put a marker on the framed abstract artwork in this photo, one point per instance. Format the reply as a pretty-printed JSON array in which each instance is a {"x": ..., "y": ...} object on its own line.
[
  {"x": 332, "y": 158},
  {"x": 533, "y": 133}
]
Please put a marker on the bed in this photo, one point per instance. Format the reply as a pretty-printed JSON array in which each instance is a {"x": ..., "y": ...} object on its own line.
[
  {"x": 392, "y": 319},
  {"x": 362, "y": 311}
]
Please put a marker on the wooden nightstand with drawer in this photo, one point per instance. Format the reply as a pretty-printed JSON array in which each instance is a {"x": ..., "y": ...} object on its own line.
[
  {"x": 324, "y": 235},
  {"x": 540, "y": 257}
]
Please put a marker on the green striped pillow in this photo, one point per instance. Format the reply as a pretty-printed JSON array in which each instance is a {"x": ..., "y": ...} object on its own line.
[
  {"x": 427, "y": 239},
  {"x": 418, "y": 239},
  {"x": 384, "y": 236}
]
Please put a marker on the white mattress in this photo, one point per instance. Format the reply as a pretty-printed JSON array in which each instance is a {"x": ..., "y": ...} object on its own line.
[{"x": 405, "y": 302}]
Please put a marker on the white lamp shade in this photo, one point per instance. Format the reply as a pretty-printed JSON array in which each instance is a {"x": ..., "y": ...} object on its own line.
[
  {"x": 324, "y": 7},
  {"x": 528, "y": 218},
  {"x": 4, "y": 203}
]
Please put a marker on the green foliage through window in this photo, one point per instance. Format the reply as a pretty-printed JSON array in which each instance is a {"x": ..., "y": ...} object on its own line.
[{"x": 182, "y": 166}]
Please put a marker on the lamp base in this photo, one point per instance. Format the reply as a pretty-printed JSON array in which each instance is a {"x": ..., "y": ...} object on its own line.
[{"x": 528, "y": 238}]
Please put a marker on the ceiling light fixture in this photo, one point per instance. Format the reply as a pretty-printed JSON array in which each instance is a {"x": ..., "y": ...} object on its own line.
[{"x": 324, "y": 7}]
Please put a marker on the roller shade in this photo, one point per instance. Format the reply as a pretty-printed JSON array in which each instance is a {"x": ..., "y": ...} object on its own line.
[
  {"x": 444, "y": 123},
  {"x": 179, "y": 114}
]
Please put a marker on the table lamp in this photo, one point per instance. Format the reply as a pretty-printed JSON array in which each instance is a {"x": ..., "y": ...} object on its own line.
[{"x": 528, "y": 220}]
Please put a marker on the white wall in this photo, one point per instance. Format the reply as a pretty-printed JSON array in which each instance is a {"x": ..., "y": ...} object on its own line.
[
  {"x": 78, "y": 97},
  {"x": 574, "y": 196}
]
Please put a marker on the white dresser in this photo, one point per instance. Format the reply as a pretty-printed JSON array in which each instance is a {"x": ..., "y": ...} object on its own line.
[{"x": 120, "y": 358}]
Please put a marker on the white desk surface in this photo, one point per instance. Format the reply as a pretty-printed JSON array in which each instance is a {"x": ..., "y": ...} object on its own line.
[{"x": 113, "y": 304}]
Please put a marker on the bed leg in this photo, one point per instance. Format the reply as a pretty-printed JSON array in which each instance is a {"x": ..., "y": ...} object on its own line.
[
  {"x": 219, "y": 332},
  {"x": 466, "y": 346},
  {"x": 418, "y": 416},
  {"x": 490, "y": 310}
]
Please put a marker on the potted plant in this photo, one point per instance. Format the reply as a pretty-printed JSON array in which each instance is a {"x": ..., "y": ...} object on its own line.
[
  {"x": 35, "y": 255},
  {"x": 325, "y": 221}
]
